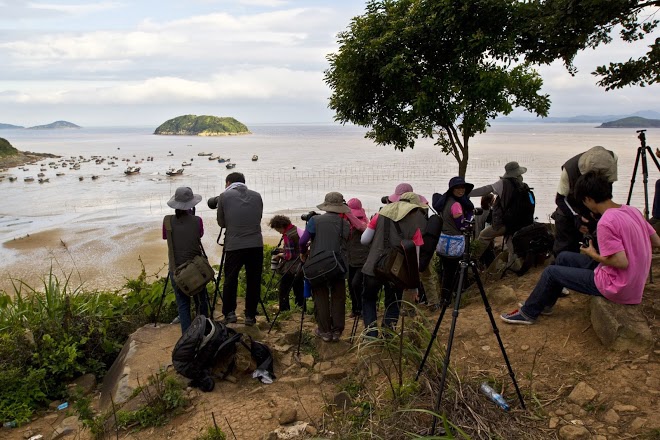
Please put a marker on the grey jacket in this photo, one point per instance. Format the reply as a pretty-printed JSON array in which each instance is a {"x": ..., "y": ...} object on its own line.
[
  {"x": 239, "y": 212},
  {"x": 409, "y": 224}
]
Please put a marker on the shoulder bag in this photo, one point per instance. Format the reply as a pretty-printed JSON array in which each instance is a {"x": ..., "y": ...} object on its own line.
[
  {"x": 193, "y": 275},
  {"x": 451, "y": 245},
  {"x": 325, "y": 266},
  {"x": 398, "y": 264}
]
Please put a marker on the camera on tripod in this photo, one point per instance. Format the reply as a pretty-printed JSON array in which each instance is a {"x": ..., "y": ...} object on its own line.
[
  {"x": 468, "y": 226},
  {"x": 385, "y": 200},
  {"x": 310, "y": 214},
  {"x": 213, "y": 202}
]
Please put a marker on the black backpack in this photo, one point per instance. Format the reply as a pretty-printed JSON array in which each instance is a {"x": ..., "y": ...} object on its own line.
[
  {"x": 532, "y": 244},
  {"x": 201, "y": 347},
  {"x": 520, "y": 205}
]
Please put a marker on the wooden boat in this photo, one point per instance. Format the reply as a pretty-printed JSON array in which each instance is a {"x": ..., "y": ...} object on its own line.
[
  {"x": 255, "y": 158},
  {"x": 174, "y": 172},
  {"x": 80, "y": 178},
  {"x": 28, "y": 179},
  {"x": 204, "y": 154},
  {"x": 59, "y": 174},
  {"x": 230, "y": 165},
  {"x": 132, "y": 170},
  {"x": 44, "y": 180},
  {"x": 12, "y": 178},
  {"x": 40, "y": 175},
  {"x": 185, "y": 164},
  {"x": 214, "y": 157},
  {"x": 94, "y": 177},
  {"x": 223, "y": 160}
]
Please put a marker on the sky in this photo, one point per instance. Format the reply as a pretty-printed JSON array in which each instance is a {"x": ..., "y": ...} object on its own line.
[{"x": 141, "y": 62}]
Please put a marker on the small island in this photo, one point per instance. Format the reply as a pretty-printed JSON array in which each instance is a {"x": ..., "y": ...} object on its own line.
[
  {"x": 54, "y": 126},
  {"x": 631, "y": 122},
  {"x": 11, "y": 157},
  {"x": 6, "y": 149},
  {"x": 192, "y": 125}
]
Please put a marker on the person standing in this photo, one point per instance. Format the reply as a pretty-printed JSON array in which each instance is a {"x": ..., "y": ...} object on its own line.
[
  {"x": 329, "y": 233},
  {"x": 454, "y": 207},
  {"x": 572, "y": 219},
  {"x": 239, "y": 212},
  {"x": 292, "y": 276},
  {"x": 357, "y": 255},
  {"x": 185, "y": 231}
]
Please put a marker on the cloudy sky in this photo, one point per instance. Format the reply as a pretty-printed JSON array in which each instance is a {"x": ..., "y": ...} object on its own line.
[{"x": 140, "y": 62}]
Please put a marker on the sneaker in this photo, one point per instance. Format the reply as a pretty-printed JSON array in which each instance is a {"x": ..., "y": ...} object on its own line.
[
  {"x": 336, "y": 336},
  {"x": 516, "y": 317},
  {"x": 326, "y": 337},
  {"x": 250, "y": 320},
  {"x": 230, "y": 318},
  {"x": 547, "y": 310},
  {"x": 176, "y": 320},
  {"x": 564, "y": 292}
]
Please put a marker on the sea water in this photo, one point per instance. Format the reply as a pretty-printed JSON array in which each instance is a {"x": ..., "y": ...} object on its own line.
[{"x": 297, "y": 165}]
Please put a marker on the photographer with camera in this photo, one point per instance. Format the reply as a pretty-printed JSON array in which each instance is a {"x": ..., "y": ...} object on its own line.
[
  {"x": 326, "y": 265},
  {"x": 404, "y": 219},
  {"x": 289, "y": 263},
  {"x": 618, "y": 271},
  {"x": 455, "y": 209},
  {"x": 357, "y": 254},
  {"x": 239, "y": 212}
]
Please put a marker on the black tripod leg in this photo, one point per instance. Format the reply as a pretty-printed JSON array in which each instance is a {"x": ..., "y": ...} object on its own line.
[
  {"x": 632, "y": 179},
  {"x": 497, "y": 332},
  {"x": 217, "y": 284},
  {"x": 657, "y": 164},
  {"x": 162, "y": 297},
  {"x": 356, "y": 321},
  {"x": 450, "y": 340},
  {"x": 445, "y": 304}
]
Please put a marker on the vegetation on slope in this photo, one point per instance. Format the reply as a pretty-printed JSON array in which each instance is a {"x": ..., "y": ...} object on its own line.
[
  {"x": 202, "y": 125},
  {"x": 631, "y": 122},
  {"x": 6, "y": 148}
]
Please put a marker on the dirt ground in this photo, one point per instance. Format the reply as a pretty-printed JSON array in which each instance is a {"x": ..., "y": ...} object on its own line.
[{"x": 549, "y": 359}]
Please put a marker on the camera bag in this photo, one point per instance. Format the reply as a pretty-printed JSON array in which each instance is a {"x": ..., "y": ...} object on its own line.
[
  {"x": 193, "y": 275},
  {"x": 397, "y": 264},
  {"x": 324, "y": 266},
  {"x": 451, "y": 245}
]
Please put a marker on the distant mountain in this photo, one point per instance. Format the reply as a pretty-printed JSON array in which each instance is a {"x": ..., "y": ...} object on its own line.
[
  {"x": 7, "y": 126},
  {"x": 631, "y": 122},
  {"x": 54, "y": 126},
  {"x": 202, "y": 126},
  {"x": 6, "y": 148},
  {"x": 649, "y": 114}
]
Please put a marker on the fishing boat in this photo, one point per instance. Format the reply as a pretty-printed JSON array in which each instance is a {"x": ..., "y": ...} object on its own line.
[
  {"x": 40, "y": 175},
  {"x": 44, "y": 180},
  {"x": 204, "y": 154},
  {"x": 255, "y": 158},
  {"x": 174, "y": 172},
  {"x": 223, "y": 160},
  {"x": 59, "y": 174},
  {"x": 132, "y": 170},
  {"x": 230, "y": 165},
  {"x": 80, "y": 178},
  {"x": 12, "y": 178},
  {"x": 94, "y": 177},
  {"x": 214, "y": 157},
  {"x": 28, "y": 179},
  {"x": 185, "y": 164}
]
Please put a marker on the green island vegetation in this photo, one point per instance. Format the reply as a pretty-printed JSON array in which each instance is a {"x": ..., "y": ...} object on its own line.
[
  {"x": 631, "y": 122},
  {"x": 202, "y": 126},
  {"x": 54, "y": 125},
  {"x": 6, "y": 149}
]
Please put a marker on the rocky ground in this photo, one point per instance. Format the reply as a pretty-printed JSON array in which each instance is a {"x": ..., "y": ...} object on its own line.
[{"x": 575, "y": 386}]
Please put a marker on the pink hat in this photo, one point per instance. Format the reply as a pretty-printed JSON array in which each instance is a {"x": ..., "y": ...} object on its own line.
[
  {"x": 356, "y": 209},
  {"x": 401, "y": 189}
]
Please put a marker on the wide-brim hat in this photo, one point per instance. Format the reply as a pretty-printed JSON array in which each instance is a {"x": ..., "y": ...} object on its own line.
[
  {"x": 460, "y": 181},
  {"x": 513, "y": 169},
  {"x": 401, "y": 189},
  {"x": 334, "y": 202},
  {"x": 398, "y": 210},
  {"x": 600, "y": 160},
  {"x": 184, "y": 199}
]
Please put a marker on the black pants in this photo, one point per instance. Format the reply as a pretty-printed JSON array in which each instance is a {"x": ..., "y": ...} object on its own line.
[
  {"x": 449, "y": 280},
  {"x": 372, "y": 286},
  {"x": 355, "y": 288},
  {"x": 252, "y": 259},
  {"x": 567, "y": 236},
  {"x": 288, "y": 281}
]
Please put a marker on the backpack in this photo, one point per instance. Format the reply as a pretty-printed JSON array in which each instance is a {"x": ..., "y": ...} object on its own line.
[
  {"x": 531, "y": 244},
  {"x": 201, "y": 347},
  {"x": 520, "y": 204}
]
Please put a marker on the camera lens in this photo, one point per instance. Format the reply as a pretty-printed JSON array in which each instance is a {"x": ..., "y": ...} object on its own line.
[
  {"x": 212, "y": 202},
  {"x": 385, "y": 200}
]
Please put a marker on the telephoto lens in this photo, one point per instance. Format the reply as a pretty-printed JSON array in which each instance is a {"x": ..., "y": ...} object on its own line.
[
  {"x": 212, "y": 202},
  {"x": 274, "y": 262},
  {"x": 310, "y": 214},
  {"x": 385, "y": 200}
]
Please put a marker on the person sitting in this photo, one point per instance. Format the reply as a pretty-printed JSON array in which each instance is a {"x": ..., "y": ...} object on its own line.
[
  {"x": 289, "y": 255},
  {"x": 617, "y": 273}
]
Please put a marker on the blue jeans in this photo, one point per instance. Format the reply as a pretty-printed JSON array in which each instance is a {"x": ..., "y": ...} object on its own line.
[
  {"x": 183, "y": 304},
  {"x": 571, "y": 270}
]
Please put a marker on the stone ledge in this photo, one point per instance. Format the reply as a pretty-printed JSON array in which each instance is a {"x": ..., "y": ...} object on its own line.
[{"x": 620, "y": 327}]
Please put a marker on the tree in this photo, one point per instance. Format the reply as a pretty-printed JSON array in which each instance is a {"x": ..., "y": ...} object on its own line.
[
  {"x": 432, "y": 69},
  {"x": 559, "y": 29}
]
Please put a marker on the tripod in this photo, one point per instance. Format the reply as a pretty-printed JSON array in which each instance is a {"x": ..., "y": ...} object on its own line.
[
  {"x": 217, "y": 281},
  {"x": 466, "y": 261},
  {"x": 641, "y": 154}
]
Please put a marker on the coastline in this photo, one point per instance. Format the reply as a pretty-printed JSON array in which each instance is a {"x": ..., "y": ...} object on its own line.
[{"x": 24, "y": 158}]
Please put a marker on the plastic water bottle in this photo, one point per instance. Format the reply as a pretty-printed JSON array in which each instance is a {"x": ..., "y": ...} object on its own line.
[
  {"x": 11, "y": 424},
  {"x": 307, "y": 291},
  {"x": 494, "y": 396}
]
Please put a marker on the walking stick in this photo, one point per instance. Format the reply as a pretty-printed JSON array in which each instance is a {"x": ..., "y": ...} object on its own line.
[{"x": 162, "y": 297}]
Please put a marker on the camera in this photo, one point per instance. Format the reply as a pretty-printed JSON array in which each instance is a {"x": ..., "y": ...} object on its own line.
[
  {"x": 586, "y": 241},
  {"x": 309, "y": 215},
  {"x": 213, "y": 202},
  {"x": 478, "y": 211},
  {"x": 385, "y": 200}
]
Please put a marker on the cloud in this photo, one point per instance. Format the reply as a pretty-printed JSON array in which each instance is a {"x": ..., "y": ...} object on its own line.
[
  {"x": 260, "y": 84},
  {"x": 269, "y": 3},
  {"x": 75, "y": 9}
]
